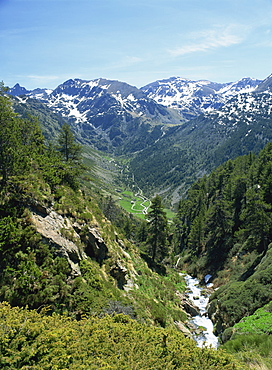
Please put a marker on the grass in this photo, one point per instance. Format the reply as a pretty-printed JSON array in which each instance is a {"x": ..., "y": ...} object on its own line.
[
  {"x": 254, "y": 350},
  {"x": 134, "y": 204},
  {"x": 258, "y": 323},
  {"x": 103, "y": 173},
  {"x": 137, "y": 205}
]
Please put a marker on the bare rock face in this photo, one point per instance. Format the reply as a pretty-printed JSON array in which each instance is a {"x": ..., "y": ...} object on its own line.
[
  {"x": 95, "y": 246},
  {"x": 51, "y": 226},
  {"x": 76, "y": 241},
  {"x": 119, "y": 273},
  {"x": 216, "y": 317},
  {"x": 181, "y": 327},
  {"x": 67, "y": 237}
]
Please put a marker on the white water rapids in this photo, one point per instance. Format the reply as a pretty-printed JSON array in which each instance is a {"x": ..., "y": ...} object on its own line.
[{"x": 207, "y": 338}]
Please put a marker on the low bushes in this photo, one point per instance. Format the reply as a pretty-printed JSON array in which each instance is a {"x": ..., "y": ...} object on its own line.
[{"x": 29, "y": 340}]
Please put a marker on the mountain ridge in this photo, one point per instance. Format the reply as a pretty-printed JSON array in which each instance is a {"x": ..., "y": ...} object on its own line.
[
  {"x": 107, "y": 113},
  {"x": 191, "y": 98},
  {"x": 242, "y": 125}
]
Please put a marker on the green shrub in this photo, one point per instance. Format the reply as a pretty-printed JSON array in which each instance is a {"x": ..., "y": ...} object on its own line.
[
  {"x": 29, "y": 340},
  {"x": 258, "y": 323}
]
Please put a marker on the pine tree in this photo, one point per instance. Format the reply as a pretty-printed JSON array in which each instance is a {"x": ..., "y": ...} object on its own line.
[
  {"x": 20, "y": 140},
  {"x": 70, "y": 150},
  {"x": 157, "y": 230},
  {"x": 71, "y": 156},
  {"x": 8, "y": 139}
]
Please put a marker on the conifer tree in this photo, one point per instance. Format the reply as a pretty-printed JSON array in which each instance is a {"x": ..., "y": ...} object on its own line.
[
  {"x": 70, "y": 150},
  {"x": 21, "y": 140},
  {"x": 8, "y": 138},
  {"x": 157, "y": 230},
  {"x": 71, "y": 156}
]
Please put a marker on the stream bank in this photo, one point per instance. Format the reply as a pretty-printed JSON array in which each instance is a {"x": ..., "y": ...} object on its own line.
[{"x": 202, "y": 326}]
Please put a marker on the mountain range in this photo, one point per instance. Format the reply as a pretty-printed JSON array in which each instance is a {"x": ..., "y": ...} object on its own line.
[
  {"x": 107, "y": 114},
  {"x": 85, "y": 100},
  {"x": 191, "y": 98},
  {"x": 242, "y": 125},
  {"x": 173, "y": 130}
]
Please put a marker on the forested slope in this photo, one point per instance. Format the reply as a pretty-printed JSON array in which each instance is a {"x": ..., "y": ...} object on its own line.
[
  {"x": 224, "y": 228},
  {"x": 64, "y": 259}
]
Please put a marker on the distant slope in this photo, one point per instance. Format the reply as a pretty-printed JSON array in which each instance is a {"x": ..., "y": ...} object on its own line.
[
  {"x": 166, "y": 153},
  {"x": 50, "y": 122},
  {"x": 191, "y": 98},
  {"x": 242, "y": 125},
  {"x": 110, "y": 115},
  {"x": 224, "y": 228}
]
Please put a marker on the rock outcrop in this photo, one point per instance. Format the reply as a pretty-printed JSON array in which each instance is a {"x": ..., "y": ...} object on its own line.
[
  {"x": 95, "y": 246},
  {"x": 75, "y": 241},
  {"x": 186, "y": 331},
  {"x": 52, "y": 227}
]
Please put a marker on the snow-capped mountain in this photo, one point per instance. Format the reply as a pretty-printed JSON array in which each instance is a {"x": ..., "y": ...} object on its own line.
[
  {"x": 251, "y": 107},
  {"x": 242, "y": 125},
  {"x": 90, "y": 101},
  {"x": 18, "y": 90},
  {"x": 168, "y": 153},
  {"x": 106, "y": 113},
  {"x": 97, "y": 100},
  {"x": 191, "y": 98},
  {"x": 265, "y": 85},
  {"x": 114, "y": 115}
]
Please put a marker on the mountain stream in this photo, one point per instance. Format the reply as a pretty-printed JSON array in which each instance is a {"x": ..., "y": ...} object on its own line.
[{"x": 200, "y": 298}]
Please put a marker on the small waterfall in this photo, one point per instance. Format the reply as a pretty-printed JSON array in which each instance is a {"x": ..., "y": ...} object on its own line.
[{"x": 195, "y": 295}]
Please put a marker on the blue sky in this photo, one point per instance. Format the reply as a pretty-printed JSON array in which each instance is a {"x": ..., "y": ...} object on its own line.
[{"x": 45, "y": 42}]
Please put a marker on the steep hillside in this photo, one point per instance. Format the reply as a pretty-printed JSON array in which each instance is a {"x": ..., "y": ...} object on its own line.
[
  {"x": 74, "y": 292},
  {"x": 242, "y": 125},
  {"x": 49, "y": 121},
  {"x": 224, "y": 228},
  {"x": 33, "y": 340},
  {"x": 57, "y": 247}
]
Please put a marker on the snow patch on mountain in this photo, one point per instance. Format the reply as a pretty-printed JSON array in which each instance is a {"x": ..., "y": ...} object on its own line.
[
  {"x": 192, "y": 98},
  {"x": 247, "y": 107}
]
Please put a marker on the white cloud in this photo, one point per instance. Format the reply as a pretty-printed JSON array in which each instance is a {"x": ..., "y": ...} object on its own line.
[
  {"x": 211, "y": 39},
  {"x": 130, "y": 60},
  {"x": 121, "y": 63},
  {"x": 33, "y": 81},
  {"x": 42, "y": 79}
]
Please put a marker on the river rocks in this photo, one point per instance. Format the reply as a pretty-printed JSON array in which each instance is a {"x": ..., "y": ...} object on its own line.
[
  {"x": 188, "y": 305},
  {"x": 215, "y": 316},
  {"x": 202, "y": 325},
  {"x": 181, "y": 327}
]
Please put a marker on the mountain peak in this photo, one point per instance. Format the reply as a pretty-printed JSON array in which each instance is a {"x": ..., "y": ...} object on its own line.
[
  {"x": 18, "y": 90},
  {"x": 265, "y": 85}
]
